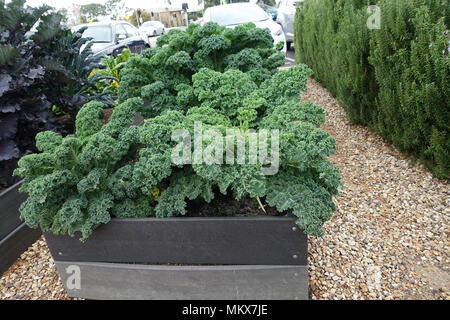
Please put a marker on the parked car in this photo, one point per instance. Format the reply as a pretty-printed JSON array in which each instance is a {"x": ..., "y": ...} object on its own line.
[
  {"x": 198, "y": 21},
  {"x": 285, "y": 17},
  {"x": 112, "y": 37},
  {"x": 231, "y": 15},
  {"x": 152, "y": 28},
  {"x": 271, "y": 11}
]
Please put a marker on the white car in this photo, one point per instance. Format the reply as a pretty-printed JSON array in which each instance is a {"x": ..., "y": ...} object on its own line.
[
  {"x": 231, "y": 15},
  {"x": 286, "y": 16},
  {"x": 152, "y": 28}
]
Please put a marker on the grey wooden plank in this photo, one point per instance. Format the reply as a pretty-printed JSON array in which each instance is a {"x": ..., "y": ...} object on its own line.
[
  {"x": 10, "y": 201},
  {"x": 228, "y": 240},
  {"x": 12, "y": 246},
  {"x": 139, "y": 282}
]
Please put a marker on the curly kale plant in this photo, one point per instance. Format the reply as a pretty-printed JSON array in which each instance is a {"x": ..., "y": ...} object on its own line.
[
  {"x": 124, "y": 169},
  {"x": 160, "y": 73}
]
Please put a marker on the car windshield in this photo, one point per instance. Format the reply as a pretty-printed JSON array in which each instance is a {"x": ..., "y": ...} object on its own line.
[
  {"x": 231, "y": 15},
  {"x": 98, "y": 33},
  {"x": 148, "y": 24}
]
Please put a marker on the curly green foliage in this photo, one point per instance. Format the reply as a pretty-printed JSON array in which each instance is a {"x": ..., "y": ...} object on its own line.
[
  {"x": 138, "y": 208},
  {"x": 291, "y": 111},
  {"x": 284, "y": 86},
  {"x": 77, "y": 182},
  {"x": 132, "y": 171},
  {"x": 87, "y": 121},
  {"x": 224, "y": 91},
  {"x": 255, "y": 63},
  {"x": 47, "y": 141},
  {"x": 208, "y": 116},
  {"x": 307, "y": 199},
  {"x": 158, "y": 74},
  {"x": 158, "y": 98},
  {"x": 136, "y": 73},
  {"x": 233, "y": 93}
]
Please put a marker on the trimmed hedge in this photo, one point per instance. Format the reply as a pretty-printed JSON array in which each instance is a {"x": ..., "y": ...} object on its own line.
[{"x": 395, "y": 79}]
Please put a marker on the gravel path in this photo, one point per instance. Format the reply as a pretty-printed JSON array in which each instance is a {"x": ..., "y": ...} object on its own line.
[
  {"x": 387, "y": 240},
  {"x": 33, "y": 276},
  {"x": 389, "y": 237}
]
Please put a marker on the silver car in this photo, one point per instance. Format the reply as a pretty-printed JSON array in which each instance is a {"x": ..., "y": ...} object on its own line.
[
  {"x": 152, "y": 28},
  {"x": 111, "y": 37},
  {"x": 285, "y": 17},
  {"x": 232, "y": 15}
]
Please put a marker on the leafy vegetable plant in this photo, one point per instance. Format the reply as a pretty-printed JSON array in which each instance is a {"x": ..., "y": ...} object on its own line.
[
  {"x": 111, "y": 71},
  {"x": 160, "y": 73},
  {"x": 123, "y": 169},
  {"x": 24, "y": 109},
  {"x": 42, "y": 67},
  {"x": 68, "y": 62}
]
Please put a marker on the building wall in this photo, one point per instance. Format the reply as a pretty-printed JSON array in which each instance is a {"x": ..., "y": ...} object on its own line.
[{"x": 170, "y": 18}]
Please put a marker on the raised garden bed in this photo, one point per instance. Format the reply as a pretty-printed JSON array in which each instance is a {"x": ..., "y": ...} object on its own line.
[
  {"x": 187, "y": 258},
  {"x": 15, "y": 236},
  {"x": 232, "y": 108}
]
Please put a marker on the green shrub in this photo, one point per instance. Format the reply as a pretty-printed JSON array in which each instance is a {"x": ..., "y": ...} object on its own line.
[
  {"x": 395, "y": 79},
  {"x": 356, "y": 85},
  {"x": 314, "y": 40},
  {"x": 413, "y": 73}
]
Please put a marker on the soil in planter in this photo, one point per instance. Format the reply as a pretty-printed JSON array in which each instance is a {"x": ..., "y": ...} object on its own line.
[
  {"x": 227, "y": 206},
  {"x": 107, "y": 113}
]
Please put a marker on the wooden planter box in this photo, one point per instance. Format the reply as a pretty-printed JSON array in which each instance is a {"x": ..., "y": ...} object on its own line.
[
  {"x": 187, "y": 258},
  {"x": 15, "y": 236}
]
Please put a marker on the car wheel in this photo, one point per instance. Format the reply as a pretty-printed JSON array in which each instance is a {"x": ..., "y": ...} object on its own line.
[{"x": 288, "y": 46}]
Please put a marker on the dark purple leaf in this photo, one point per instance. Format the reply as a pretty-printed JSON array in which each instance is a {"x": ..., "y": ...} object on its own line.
[
  {"x": 29, "y": 116},
  {"x": 8, "y": 126},
  {"x": 8, "y": 150},
  {"x": 36, "y": 73},
  {"x": 6, "y": 178},
  {"x": 8, "y": 108},
  {"x": 4, "y": 83}
]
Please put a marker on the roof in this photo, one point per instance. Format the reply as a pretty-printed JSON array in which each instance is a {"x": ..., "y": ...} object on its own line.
[
  {"x": 237, "y": 4},
  {"x": 162, "y": 9},
  {"x": 100, "y": 23}
]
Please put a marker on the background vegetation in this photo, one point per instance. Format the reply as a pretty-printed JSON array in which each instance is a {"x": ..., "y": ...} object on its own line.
[
  {"x": 44, "y": 71},
  {"x": 395, "y": 79}
]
